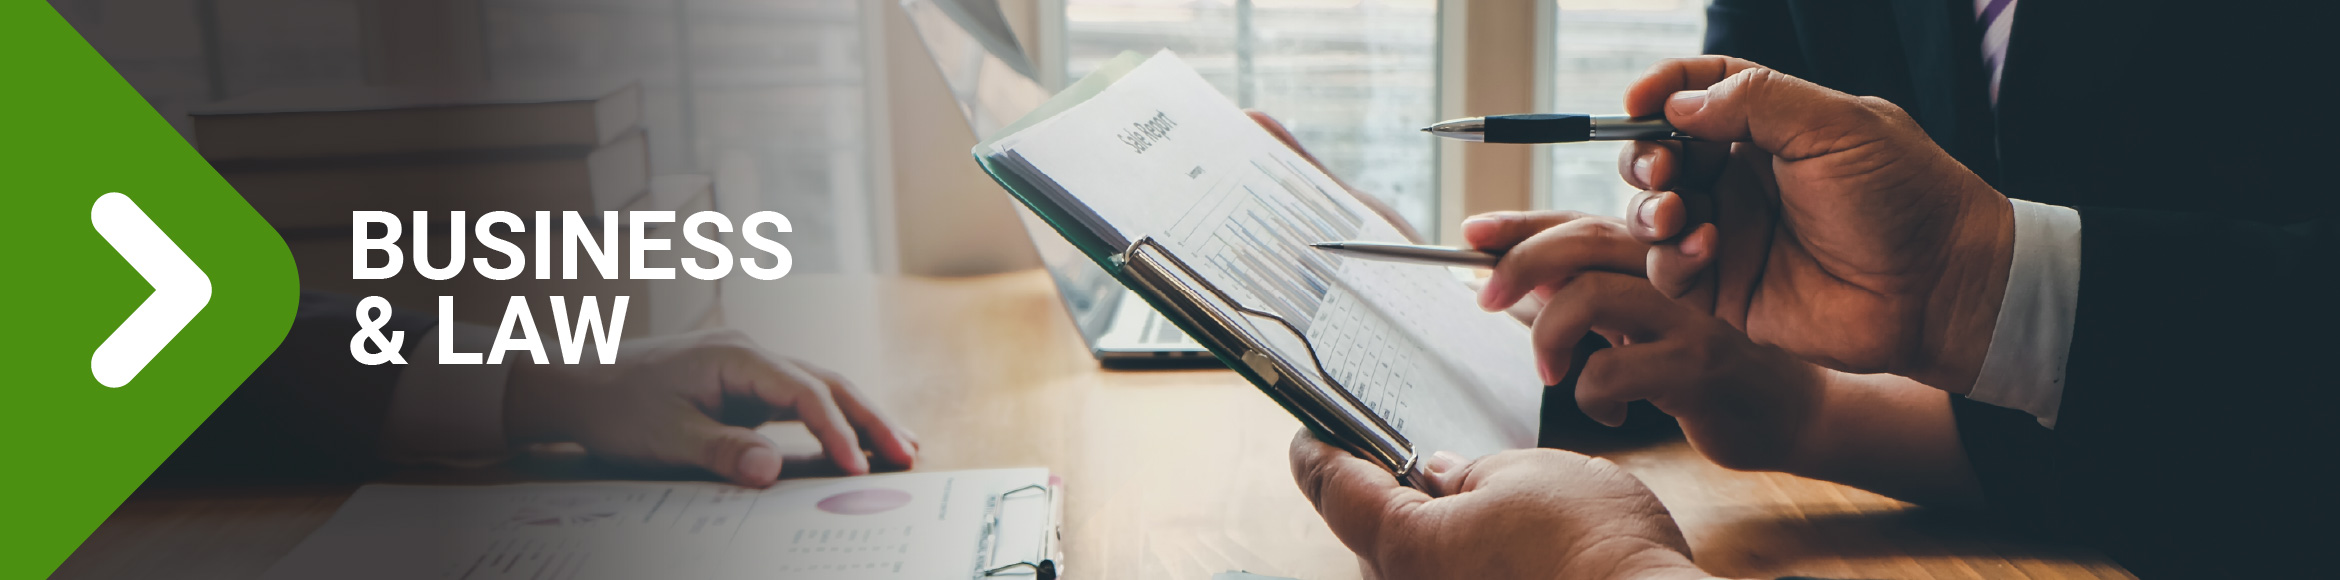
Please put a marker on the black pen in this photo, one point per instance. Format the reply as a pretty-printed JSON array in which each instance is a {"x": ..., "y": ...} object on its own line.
[{"x": 1555, "y": 128}]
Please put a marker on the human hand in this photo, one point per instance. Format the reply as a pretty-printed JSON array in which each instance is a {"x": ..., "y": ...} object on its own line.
[
  {"x": 693, "y": 400},
  {"x": 1581, "y": 241},
  {"x": 1840, "y": 231},
  {"x": 1544, "y": 249},
  {"x": 1742, "y": 405},
  {"x": 1539, "y": 513}
]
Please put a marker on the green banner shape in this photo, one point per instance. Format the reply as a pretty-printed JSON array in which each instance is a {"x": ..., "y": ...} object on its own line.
[{"x": 76, "y": 131}]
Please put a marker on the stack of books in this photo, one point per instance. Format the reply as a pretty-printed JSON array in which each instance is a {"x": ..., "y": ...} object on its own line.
[{"x": 306, "y": 158}]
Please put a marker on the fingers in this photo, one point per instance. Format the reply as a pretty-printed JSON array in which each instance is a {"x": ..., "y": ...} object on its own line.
[
  {"x": 1620, "y": 307},
  {"x": 1358, "y": 499},
  {"x": 1555, "y": 255},
  {"x": 1655, "y": 216},
  {"x": 1523, "y": 311},
  {"x": 1445, "y": 471},
  {"x": 784, "y": 385},
  {"x": 1666, "y": 171},
  {"x": 1787, "y": 116},
  {"x": 1498, "y": 231},
  {"x": 737, "y": 454},
  {"x": 1276, "y": 128},
  {"x": 1616, "y": 376},
  {"x": 1723, "y": 100},
  {"x": 893, "y": 443},
  {"x": 1647, "y": 96},
  {"x": 1648, "y": 165},
  {"x": 1390, "y": 214},
  {"x": 1679, "y": 268}
]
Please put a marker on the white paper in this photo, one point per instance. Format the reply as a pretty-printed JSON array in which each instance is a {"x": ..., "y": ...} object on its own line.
[
  {"x": 903, "y": 526},
  {"x": 1161, "y": 153}
]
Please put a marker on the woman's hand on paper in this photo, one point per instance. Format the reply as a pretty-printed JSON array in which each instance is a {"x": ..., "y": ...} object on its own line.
[
  {"x": 693, "y": 401},
  {"x": 1538, "y": 513}
]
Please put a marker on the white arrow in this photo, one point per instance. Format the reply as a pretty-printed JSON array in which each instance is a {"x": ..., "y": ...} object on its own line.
[{"x": 180, "y": 290}]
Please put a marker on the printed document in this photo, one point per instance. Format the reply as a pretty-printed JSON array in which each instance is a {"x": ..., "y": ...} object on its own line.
[
  {"x": 1161, "y": 154},
  {"x": 924, "y": 526}
]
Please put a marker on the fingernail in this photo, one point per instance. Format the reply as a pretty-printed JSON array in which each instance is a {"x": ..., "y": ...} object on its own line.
[
  {"x": 1641, "y": 170},
  {"x": 1694, "y": 245},
  {"x": 1645, "y": 215},
  {"x": 1544, "y": 370},
  {"x": 1477, "y": 225},
  {"x": 1487, "y": 294},
  {"x": 1686, "y": 103},
  {"x": 1444, "y": 462}
]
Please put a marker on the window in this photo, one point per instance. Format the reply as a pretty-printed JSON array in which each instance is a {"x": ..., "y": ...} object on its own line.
[
  {"x": 1600, "y": 46},
  {"x": 768, "y": 96},
  {"x": 1353, "y": 79}
]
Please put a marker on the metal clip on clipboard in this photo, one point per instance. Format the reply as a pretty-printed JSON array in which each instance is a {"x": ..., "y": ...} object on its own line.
[
  {"x": 1043, "y": 563},
  {"x": 1215, "y": 319}
]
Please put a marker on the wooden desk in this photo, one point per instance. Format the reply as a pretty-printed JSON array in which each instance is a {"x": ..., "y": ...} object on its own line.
[{"x": 1169, "y": 474}]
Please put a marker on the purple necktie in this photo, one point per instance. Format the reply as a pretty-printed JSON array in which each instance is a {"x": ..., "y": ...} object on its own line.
[{"x": 1997, "y": 21}]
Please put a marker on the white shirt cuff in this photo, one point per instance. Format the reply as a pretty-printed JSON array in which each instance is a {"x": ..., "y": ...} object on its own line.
[
  {"x": 2024, "y": 368},
  {"x": 448, "y": 414}
]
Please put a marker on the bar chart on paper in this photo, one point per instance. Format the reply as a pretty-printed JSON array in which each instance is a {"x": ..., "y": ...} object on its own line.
[{"x": 1260, "y": 242}]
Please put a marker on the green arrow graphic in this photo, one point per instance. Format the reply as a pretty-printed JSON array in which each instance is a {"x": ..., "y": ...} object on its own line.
[{"x": 71, "y": 448}]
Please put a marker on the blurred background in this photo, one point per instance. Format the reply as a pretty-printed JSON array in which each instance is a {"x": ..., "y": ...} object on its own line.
[{"x": 829, "y": 111}]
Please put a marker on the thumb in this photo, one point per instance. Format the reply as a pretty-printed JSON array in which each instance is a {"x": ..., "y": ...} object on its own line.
[
  {"x": 1790, "y": 117},
  {"x": 1360, "y": 501},
  {"x": 1445, "y": 470},
  {"x": 736, "y": 454}
]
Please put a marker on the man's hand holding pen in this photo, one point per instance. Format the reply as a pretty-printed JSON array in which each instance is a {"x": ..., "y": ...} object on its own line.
[
  {"x": 1843, "y": 237},
  {"x": 1842, "y": 232}
]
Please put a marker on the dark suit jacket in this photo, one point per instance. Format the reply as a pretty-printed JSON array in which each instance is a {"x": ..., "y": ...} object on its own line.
[{"x": 2196, "y": 138}]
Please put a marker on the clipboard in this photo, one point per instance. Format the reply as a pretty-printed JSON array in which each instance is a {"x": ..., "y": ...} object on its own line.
[
  {"x": 1045, "y": 560},
  {"x": 1236, "y": 334}
]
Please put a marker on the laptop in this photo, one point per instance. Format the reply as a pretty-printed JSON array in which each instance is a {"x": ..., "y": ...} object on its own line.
[{"x": 995, "y": 84}]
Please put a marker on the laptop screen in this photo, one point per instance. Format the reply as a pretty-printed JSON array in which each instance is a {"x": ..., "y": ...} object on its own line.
[{"x": 993, "y": 81}]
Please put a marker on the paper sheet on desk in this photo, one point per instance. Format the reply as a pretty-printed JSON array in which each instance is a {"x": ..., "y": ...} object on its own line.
[
  {"x": 907, "y": 526},
  {"x": 1161, "y": 153}
]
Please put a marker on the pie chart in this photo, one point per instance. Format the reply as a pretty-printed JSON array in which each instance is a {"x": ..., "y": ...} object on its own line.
[{"x": 865, "y": 501}]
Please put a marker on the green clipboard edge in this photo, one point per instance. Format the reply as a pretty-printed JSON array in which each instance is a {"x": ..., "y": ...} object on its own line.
[{"x": 1060, "y": 219}]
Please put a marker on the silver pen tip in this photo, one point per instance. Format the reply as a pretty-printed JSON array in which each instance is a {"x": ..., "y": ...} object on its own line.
[{"x": 1326, "y": 245}]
